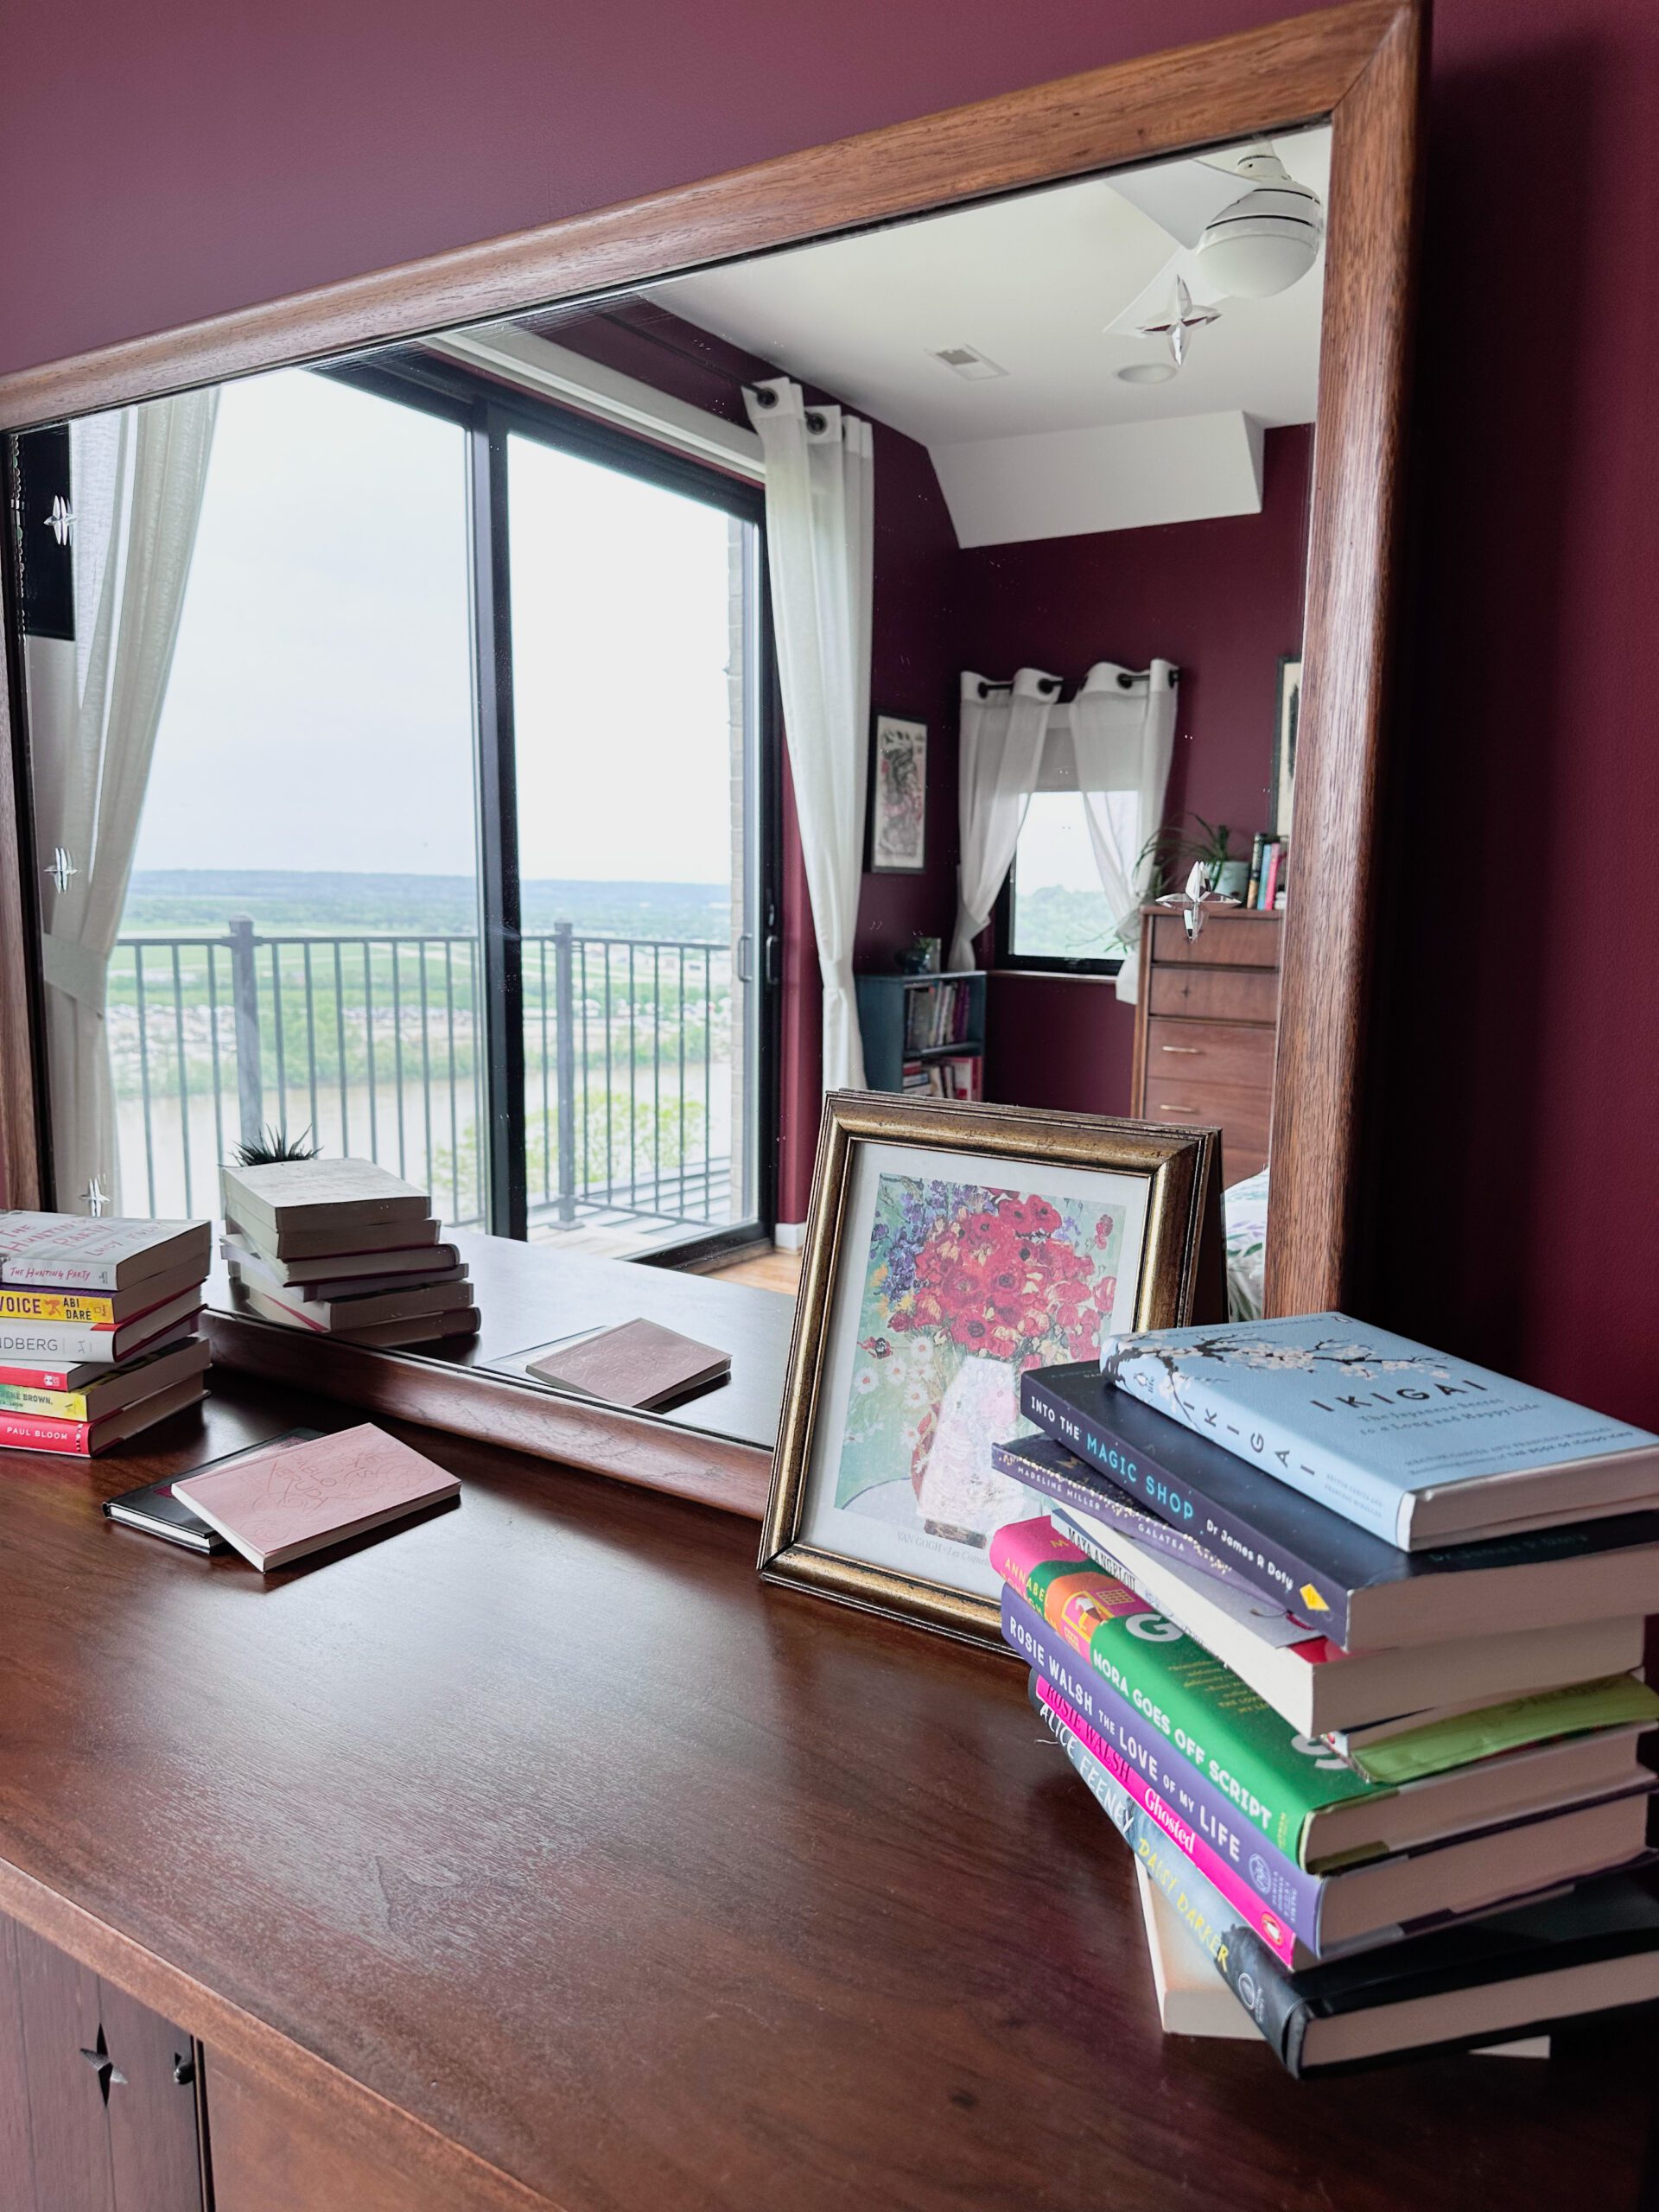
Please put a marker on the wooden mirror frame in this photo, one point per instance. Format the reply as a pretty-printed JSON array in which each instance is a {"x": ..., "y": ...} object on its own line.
[{"x": 1361, "y": 68}]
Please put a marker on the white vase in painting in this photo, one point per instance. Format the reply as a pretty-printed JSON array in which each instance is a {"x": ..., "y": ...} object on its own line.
[{"x": 962, "y": 1495}]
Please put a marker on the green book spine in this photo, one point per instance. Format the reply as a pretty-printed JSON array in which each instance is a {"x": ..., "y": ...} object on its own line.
[
  {"x": 1275, "y": 1777},
  {"x": 1255, "y": 888}
]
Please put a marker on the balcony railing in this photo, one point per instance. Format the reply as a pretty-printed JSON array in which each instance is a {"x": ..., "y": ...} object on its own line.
[{"x": 374, "y": 1043}]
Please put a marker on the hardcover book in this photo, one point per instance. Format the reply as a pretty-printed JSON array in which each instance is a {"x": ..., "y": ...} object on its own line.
[
  {"x": 1416, "y": 1447},
  {"x": 282, "y": 1504},
  {"x": 1357, "y": 1588},
  {"x": 66, "y": 1251},
  {"x": 1530, "y": 1971}
]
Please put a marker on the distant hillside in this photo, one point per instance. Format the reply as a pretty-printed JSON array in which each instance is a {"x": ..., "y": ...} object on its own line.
[{"x": 191, "y": 901}]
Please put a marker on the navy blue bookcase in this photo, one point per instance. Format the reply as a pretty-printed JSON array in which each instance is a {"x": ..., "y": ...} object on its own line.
[{"x": 884, "y": 1004}]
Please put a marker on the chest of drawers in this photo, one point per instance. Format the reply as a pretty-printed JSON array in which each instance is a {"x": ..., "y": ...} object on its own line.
[{"x": 1205, "y": 1028}]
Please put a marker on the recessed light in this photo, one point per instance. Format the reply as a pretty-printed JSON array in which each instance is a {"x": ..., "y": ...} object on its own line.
[{"x": 1146, "y": 373}]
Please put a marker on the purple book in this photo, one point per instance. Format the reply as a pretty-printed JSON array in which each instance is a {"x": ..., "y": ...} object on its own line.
[
  {"x": 1350, "y": 1910},
  {"x": 1043, "y": 1465}
]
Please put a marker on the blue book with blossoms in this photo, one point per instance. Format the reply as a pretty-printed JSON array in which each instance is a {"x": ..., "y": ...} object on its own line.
[{"x": 1418, "y": 1446}]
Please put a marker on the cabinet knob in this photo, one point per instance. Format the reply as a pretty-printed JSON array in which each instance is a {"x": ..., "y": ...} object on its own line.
[{"x": 184, "y": 2069}]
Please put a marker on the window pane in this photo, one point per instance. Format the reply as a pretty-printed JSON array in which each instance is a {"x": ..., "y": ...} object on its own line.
[
  {"x": 298, "y": 943},
  {"x": 1060, "y": 912},
  {"x": 632, "y": 690}
]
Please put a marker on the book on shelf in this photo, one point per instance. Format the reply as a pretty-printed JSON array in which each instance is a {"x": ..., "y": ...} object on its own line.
[
  {"x": 1232, "y": 1752},
  {"x": 72, "y": 1252},
  {"x": 1523, "y": 1972},
  {"x": 1104, "y": 1444},
  {"x": 1315, "y": 1684},
  {"x": 1253, "y": 885},
  {"x": 280, "y": 1504},
  {"x": 1418, "y": 1446}
]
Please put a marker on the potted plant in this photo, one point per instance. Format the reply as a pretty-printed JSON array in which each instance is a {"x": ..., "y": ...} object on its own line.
[{"x": 1172, "y": 853}]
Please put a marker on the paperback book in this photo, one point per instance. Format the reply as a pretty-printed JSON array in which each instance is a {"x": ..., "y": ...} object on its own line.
[{"x": 62, "y": 1251}]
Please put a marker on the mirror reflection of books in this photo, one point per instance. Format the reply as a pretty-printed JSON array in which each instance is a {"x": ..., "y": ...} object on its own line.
[{"x": 638, "y": 1364}]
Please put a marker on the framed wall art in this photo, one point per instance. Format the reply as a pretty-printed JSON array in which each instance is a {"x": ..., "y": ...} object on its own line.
[
  {"x": 950, "y": 1249},
  {"x": 897, "y": 798},
  {"x": 1284, "y": 743}
]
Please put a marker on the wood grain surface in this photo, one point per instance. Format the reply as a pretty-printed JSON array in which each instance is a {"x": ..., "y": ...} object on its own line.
[
  {"x": 538, "y": 1855},
  {"x": 716, "y": 1447},
  {"x": 1279, "y": 74},
  {"x": 1353, "y": 529}
]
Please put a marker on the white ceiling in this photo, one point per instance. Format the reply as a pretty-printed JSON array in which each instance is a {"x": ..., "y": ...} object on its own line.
[{"x": 1032, "y": 282}]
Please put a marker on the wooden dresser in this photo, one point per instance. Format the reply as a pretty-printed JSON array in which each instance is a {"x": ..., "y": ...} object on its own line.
[{"x": 1205, "y": 1028}]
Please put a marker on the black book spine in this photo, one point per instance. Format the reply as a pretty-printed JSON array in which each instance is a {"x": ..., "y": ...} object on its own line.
[
  {"x": 1183, "y": 1505},
  {"x": 1267, "y": 1993}
]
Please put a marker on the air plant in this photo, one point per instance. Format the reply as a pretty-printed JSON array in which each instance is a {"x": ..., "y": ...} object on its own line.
[{"x": 273, "y": 1144}]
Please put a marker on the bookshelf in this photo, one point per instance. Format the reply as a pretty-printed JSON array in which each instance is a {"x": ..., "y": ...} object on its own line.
[{"x": 897, "y": 1013}]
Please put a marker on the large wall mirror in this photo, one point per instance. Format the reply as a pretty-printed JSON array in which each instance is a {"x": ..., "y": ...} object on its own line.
[{"x": 431, "y": 701}]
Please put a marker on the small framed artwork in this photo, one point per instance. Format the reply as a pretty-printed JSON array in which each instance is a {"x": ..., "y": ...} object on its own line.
[
  {"x": 950, "y": 1249},
  {"x": 1284, "y": 743},
  {"x": 897, "y": 798}
]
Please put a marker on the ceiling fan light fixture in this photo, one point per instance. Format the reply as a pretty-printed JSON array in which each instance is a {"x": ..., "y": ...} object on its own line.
[
  {"x": 1146, "y": 373},
  {"x": 1267, "y": 239}
]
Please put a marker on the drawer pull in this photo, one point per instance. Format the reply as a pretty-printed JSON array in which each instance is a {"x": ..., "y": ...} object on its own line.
[{"x": 1195, "y": 1052}]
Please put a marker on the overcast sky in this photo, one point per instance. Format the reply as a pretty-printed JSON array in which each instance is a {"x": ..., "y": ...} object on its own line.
[{"x": 319, "y": 714}]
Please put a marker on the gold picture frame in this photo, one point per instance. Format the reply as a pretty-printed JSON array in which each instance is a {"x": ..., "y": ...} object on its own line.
[{"x": 1161, "y": 1185}]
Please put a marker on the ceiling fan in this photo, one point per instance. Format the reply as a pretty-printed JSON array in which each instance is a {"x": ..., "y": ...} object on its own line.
[{"x": 1230, "y": 243}]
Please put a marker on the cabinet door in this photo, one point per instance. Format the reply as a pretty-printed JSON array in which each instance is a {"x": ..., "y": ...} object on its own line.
[{"x": 93, "y": 2113}]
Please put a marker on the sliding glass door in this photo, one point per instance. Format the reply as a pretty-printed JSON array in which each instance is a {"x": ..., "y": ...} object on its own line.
[
  {"x": 635, "y": 680},
  {"x": 451, "y": 834}
]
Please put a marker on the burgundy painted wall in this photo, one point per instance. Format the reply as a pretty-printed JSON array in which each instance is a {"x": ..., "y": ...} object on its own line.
[
  {"x": 224, "y": 154},
  {"x": 1223, "y": 599}
]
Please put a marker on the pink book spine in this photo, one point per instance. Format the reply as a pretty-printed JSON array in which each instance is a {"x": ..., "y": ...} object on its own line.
[
  {"x": 1276, "y": 855},
  {"x": 41, "y": 1433},
  {"x": 1185, "y": 1839}
]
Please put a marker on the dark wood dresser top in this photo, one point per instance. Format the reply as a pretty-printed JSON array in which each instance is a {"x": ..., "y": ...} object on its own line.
[{"x": 541, "y": 1849}]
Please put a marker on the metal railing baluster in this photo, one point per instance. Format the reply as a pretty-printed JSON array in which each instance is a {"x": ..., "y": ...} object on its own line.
[
  {"x": 144, "y": 1070},
  {"x": 340, "y": 1053}
]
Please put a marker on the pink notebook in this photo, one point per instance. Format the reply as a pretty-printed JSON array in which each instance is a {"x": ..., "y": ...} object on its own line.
[{"x": 279, "y": 1505}]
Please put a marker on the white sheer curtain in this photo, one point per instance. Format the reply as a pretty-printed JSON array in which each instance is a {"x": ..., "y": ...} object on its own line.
[
  {"x": 136, "y": 479},
  {"x": 1003, "y": 731},
  {"x": 820, "y": 541},
  {"x": 1123, "y": 733}
]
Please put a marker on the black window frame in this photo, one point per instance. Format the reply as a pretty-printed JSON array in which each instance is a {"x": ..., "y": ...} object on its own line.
[
  {"x": 490, "y": 413},
  {"x": 1034, "y": 964}
]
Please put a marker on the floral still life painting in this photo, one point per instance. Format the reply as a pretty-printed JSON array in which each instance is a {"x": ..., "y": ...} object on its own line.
[{"x": 965, "y": 1287}]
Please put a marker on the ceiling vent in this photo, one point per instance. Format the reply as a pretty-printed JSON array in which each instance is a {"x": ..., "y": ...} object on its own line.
[{"x": 968, "y": 361}]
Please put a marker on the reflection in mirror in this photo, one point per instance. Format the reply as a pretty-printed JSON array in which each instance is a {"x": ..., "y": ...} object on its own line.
[{"x": 543, "y": 757}]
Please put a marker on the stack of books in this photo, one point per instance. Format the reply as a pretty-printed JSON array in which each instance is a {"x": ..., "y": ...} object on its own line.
[
  {"x": 937, "y": 1016},
  {"x": 98, "y": 1328},
  {"x": 1345, "y": 1638},
  {"x": 1269, "y": 874},
  {"x": 342, "y": 1248},
  {"x": 957, "y": 1077}
]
